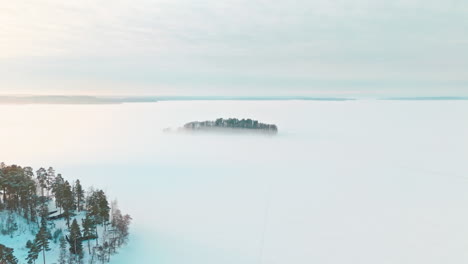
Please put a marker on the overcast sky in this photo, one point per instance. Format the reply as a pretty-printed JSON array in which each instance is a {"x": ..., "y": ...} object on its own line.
[{"x": 244, "y": 47}]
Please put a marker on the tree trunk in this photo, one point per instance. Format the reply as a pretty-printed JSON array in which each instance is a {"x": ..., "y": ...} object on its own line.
[
  {"x": 43, "y": 254},
  {"x": 92, "y": 256},
  {"x": 97, "y": 238}
]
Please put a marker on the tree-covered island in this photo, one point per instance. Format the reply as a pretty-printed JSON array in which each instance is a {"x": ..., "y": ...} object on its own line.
[{"x": 248, "y": 125}]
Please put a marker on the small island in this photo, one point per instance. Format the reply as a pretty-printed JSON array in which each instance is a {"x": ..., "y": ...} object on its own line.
[{"x": 231, "y": 124}]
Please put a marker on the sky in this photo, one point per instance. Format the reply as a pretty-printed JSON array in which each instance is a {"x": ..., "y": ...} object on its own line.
[{"x": 239, "y": 47}]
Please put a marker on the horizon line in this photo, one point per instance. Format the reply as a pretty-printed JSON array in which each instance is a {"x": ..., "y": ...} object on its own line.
[{"x": 97, "y": 99}]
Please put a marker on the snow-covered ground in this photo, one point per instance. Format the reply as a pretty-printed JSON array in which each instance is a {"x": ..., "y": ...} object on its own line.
[
  {"x": 27, "y": 231},
  {"x": 343, "y": 182},
  {"x": 17, "y": 240}
]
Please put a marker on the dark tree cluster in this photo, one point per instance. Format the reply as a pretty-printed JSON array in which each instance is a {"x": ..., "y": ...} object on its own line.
[
  {"x": 232, "y": 123},
  {"x": 18, "y": 191},
  {"x": 29, "y": 194}
]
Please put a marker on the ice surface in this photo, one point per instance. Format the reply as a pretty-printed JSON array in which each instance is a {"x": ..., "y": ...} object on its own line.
[{"x": 343, "y": 182}]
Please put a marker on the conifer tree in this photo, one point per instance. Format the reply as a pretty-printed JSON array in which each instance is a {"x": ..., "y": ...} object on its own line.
[
  {"x": 104, "y": 208},
  {"x": 43, "y": 209},
  {"x": 28, "y": 171},
  {"x": 6, "y": 255},
  {"x": 67, "y": 202},
  {"x": 75, "y": 238},
  {"x": 41, "y": 175},
  {"x": 63, "y": 251},
  {"x": 57, "y": 190},
  {"x": 88, "y": 229},
  {"x": 79, "y": 195},
  {"x": 42, "y": 240},
  {"x": 33, "y": 252},
  {"x": 32, "y": 207},
  {"x": 98, "y": 207},
  {"x": 50, "y": 178}
]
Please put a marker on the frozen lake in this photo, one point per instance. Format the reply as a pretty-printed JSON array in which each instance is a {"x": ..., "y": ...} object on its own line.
[{"x": 343, "y": 182}]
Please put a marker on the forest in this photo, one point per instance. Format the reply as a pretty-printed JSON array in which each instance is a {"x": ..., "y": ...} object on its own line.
[
  {"x": 56, "y": 221},
  {"x": 232, "y": 123}
]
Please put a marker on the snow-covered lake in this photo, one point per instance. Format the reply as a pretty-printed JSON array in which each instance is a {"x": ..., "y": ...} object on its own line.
[{"x": 343, "y": 182}]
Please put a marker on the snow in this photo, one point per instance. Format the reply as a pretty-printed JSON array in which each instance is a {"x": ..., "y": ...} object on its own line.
[
  {"x": 26, "y": 232},
  {"x": 19, "y": 238},
  {"x": 343, "y": 182}
]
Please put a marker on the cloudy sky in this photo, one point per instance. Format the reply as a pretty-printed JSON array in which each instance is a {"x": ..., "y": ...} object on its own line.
[{"x": 238, "y": 47}]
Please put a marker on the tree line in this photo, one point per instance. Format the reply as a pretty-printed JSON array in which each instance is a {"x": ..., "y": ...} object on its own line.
[{"x": 232, "y": 123}]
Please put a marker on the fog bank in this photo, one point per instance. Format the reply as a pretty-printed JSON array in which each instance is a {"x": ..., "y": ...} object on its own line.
[{"x": 343, "y": 181}]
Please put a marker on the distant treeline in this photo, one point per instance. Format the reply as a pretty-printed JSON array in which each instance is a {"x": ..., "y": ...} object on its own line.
[
  {"x": 232, "y": 123},
  {"x": 63, "y": 99}
]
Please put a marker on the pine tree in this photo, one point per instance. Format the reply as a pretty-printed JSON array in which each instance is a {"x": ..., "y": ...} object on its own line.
[
  {"x": 75, "y": 238},
  {"x": 98, "y": 207},
  {"x": 28, "y": 171},
  {"x": 50, "y": 178},
  {"x": 67, "y": 202},
  {"x": 43, "y": 209},
  {"x": 33, "y": 252},
  {"x": 6, "y": 255},
  {"x": 79, "y": 195},
  {"x": 104, "y": 207},
  {"x": 92, "y": 206},
  {"x": 88, "y": 229},
  {"x": 32, "y": 207},
  {"x": 57, "y": 190},
  {"x": 63, "y": 251},
  {"x": 42, "y": 240},
  {"x": 41, "y": 175}
]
